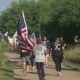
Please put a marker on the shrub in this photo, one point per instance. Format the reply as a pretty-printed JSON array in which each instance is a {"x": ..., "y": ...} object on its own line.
[{"x": 73, "y": 54}]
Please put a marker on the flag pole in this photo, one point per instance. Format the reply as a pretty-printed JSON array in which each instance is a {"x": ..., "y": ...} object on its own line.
[
  {"x": 24, "y": 21},
  {"x": 24, "y": 18}
]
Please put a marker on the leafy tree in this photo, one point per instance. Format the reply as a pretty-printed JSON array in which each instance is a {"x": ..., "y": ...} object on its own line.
[
  {"x": 51, "y": 17},
  {"x": 66, "y": 19},
  {"x": 36, "y": 13}
]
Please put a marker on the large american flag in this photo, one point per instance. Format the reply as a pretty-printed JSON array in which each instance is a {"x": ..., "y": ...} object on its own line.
[{"x": 25, "y": 42}]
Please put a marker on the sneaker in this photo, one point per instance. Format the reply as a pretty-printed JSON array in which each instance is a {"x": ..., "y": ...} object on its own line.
[{"x": 59, "y": 73}]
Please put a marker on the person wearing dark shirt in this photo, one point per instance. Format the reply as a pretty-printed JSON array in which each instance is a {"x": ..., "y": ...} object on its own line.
[
  {"x": 57, "y": 55},
  {"x": 46, "y": 43},
  {"x": 62, "y": 41},
  {"x": 24, "y": 54}
]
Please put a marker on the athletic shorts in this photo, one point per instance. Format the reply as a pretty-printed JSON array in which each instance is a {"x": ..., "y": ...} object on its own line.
[{"x": 26, "y": 60}]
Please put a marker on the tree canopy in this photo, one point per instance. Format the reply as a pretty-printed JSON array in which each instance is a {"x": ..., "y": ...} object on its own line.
[{"x": 50, "y": 17}]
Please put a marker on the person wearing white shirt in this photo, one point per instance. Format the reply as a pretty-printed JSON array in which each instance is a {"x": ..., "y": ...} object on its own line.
[{"x": 40, "y": 57}]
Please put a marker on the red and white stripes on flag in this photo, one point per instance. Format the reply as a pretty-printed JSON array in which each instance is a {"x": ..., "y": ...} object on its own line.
[{"x": 24, "y": 40}]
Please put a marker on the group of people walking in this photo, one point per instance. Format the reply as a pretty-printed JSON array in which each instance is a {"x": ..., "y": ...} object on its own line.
[
  {"x": 38, "y": 56},
  {"x": 40, "y": 53}
]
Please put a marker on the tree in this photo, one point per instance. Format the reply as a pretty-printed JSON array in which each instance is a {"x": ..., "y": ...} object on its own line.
[
  {"x": 36, "y": 13},
  {"x": 66, "y": 19},
  {"x": 50, "y": 17}
]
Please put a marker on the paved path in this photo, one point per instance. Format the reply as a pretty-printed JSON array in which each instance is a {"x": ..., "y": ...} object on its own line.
[{"x": 67, "y": 74}]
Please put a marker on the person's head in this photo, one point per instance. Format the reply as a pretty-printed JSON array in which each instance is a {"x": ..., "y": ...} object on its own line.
[
  {"x": 44, "y": 38},
  {"x": 57, "y": 39},
  {"x": 39, "y": 41}
]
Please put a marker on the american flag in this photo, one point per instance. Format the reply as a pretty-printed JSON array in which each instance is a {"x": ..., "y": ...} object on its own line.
[{"x": 24, "y": 40}]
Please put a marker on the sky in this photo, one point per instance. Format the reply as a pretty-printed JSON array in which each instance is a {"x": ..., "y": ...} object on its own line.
[{"x": 4, "y": 4}]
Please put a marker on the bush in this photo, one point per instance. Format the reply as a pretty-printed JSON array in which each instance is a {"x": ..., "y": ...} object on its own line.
[{"x": 73, "y": 54}]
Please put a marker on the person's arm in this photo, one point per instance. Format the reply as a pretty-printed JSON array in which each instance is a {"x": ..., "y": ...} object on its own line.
[
  {"x": 46, "y": 55},
  {"x": 34, "y": 51}
]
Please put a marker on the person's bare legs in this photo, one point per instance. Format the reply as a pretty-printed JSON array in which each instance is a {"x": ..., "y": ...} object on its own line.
[
  {"x": 24, "y": 67},
  {"x": 27, "y": 68}
]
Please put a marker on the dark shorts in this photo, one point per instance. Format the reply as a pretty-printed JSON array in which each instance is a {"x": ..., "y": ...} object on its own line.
[{"x": 25, "y": 57}]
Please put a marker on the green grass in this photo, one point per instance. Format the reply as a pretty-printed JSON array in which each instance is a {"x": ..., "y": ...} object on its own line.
[
  {"x": 6, "y": 71},
  {"x": 72, "y": 65},
  {"x": 72, "y": 56}
]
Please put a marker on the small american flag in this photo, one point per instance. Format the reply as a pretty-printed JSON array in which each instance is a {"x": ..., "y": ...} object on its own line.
[{"x": 24, "y": 40}]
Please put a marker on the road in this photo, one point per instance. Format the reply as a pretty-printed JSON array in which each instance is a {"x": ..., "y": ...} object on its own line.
[{"x": 51, "y": 74}]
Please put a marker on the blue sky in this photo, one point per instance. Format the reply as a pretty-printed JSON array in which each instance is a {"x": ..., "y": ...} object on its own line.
[{"x": 4, "y": 4}]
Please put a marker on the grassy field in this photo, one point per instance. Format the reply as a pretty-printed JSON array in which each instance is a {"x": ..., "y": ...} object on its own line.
[
  {"x": 72, "y": 57},
  {"x": 6, "y": 72}
]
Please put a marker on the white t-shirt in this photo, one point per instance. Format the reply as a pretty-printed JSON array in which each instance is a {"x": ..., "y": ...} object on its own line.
[{"x": 39, "y": 50}]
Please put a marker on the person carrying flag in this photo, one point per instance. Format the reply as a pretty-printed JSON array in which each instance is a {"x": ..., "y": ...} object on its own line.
[{"x": 25, "y": 43}]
